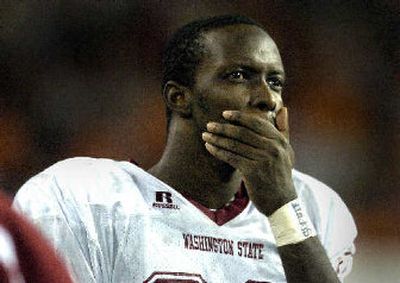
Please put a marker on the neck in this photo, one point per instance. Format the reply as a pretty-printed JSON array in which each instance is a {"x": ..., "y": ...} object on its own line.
[{"x": 187, "y": 166}]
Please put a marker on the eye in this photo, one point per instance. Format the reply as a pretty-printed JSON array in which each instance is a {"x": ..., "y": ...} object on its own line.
[
  {"x": 237, "y": 76},
  {"x": 275, "y": 83}
]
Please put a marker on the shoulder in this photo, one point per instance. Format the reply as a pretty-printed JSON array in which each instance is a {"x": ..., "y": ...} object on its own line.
[
  {"x": 80, "y": 181},
  {"x": 82, "y": 168},
  {"x": 80, "y": 174},
  {"x": 313, "y": 192},
  {"x": 319, "y": 199}
]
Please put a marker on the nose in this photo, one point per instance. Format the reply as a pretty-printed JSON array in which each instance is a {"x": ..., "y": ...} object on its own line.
[{"x": 263, "y": 98}]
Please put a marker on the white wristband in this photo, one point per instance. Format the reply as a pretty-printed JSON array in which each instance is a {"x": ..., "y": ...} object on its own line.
[{"x": 290, "y": 224}]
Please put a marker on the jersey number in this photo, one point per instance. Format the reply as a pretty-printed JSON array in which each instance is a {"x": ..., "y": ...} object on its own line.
[
  {"x": 181, "y": 277},
  {"x": 174, "y": 277}
]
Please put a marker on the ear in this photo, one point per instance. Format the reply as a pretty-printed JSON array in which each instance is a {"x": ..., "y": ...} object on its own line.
[{"x": 178, "y": 98}]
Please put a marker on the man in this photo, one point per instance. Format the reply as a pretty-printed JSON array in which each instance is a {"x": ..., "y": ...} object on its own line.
[
  {"x": 24, "y": 255},
  {"x": 223, "y": 204}
]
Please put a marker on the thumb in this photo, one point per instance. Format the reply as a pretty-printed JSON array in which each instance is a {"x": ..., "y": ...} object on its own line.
[
  {"x": 282, "y": 121},
  {"x": 282, "y": 124}
]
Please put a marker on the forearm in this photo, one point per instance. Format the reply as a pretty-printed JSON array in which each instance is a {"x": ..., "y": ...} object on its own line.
[{"x": 307, "y": 262}]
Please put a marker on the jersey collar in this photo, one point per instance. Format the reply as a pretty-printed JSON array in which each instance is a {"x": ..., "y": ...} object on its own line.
[{"x": 228, "y": 212}]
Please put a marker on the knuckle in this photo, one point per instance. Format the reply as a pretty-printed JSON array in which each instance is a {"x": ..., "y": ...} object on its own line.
[
  {"x": 234, "y": 145},
  {"x": 264, "y": 142},
  {"x": 237, "y": 131},
  {"x": 212, "y": 138},
  {"x": 282, "y": 152},
  {"x": 219, "y": 128},
  {"x": 228, "y": 130},
  {"x": 276, "y": 151},
  {"x": 254, "y": 123},
  {"x": 236, "y": 116},
  {"x": 258, "y": 123},
  {"x": 222, "y": 128},
  {"x": 230, "y": 158},
  {"x": 284, "y": 141}
]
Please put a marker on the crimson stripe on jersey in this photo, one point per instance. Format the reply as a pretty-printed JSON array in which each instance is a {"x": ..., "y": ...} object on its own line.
[{"x": 226, "y": 213}]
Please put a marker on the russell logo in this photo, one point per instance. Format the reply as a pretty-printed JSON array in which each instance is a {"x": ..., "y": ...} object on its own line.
[{"x": 164, "y": 200}]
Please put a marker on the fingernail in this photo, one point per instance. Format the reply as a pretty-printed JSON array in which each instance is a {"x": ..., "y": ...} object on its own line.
[
  {"x": 227, "y": 114},
  {"x": 205, "y": 136},
  {"x": 211, "y": 126}
]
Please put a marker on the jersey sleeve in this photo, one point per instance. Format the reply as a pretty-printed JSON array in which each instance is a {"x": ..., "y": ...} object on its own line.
[
  {"x": 43, "y": 201},
  {"x": 339, "y": 237},
  {"x": 332, "y": 219}
]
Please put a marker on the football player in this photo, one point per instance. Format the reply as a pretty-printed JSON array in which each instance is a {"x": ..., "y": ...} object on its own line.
[{"x": 223, "y": 204}]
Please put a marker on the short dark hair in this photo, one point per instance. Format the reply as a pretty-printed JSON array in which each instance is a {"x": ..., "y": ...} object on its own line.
[{"x": 184, "y": 50}]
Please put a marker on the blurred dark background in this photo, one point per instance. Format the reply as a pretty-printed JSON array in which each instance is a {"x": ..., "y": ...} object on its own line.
[{"x": 83, "y": 78}]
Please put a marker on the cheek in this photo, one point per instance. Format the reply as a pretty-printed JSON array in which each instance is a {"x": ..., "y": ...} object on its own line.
[{"x": 220, "y": 99}]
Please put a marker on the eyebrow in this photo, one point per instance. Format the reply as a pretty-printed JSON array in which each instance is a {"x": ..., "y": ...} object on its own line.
[{"x": 279, "y": 73}]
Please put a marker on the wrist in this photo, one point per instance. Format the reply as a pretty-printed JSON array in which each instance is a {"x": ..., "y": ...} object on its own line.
[
  {"x": 291, "y": 224},
  {"x": 276, "y": 202}
]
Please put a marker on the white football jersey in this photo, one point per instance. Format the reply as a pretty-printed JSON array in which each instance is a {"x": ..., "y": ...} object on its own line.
[{"x": 114, "y": 222}]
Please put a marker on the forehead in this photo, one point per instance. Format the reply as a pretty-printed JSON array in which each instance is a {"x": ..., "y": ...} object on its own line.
[{"x": 240, "y": 44}]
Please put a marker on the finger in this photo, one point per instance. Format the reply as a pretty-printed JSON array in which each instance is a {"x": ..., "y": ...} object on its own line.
[
  {"x": 233, "y": 146},
  {"x": 239, "y": 133},
  {"x": 232, "y": 159},
  {"x": 253, "y": 122}
]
